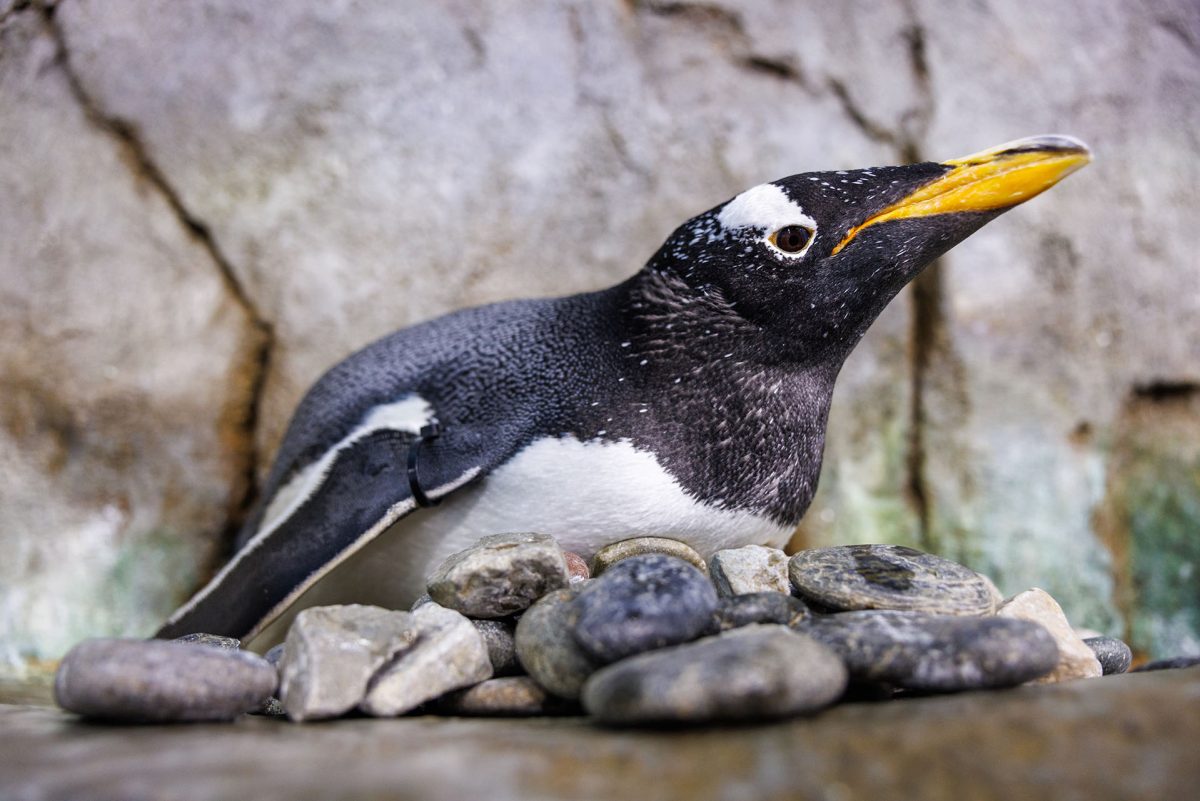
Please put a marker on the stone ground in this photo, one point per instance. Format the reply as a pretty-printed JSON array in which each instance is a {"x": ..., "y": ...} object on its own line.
[{"x": 1120, "y": 737}]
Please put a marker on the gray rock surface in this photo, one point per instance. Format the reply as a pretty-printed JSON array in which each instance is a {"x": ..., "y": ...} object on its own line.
[
  {"x": 753, "y": 568},
  {"x": 1113, "y": 654},
  {"x": 642, "y": 603},
  {"x": 752, "y": 673},
  {"x": 759, "y": 607},
  {"x": 499, "y": 575},
  {"x": 332, "y": 652},
  {"x": 499, "y": 636},
  {"x": 515, "y": 696},
  {"x": 448, "y": 653},
  {"x": 127, "y": 368},
  {"x": 546, "y": 645},
  {"x": 851, "y": 577},
  {"x": 1109, "y": 740},
  {"x": 159, "y": 681},
  {"x": 1075, "y": 659},
  {"x": 615, "y": 552},
  {"x": 936, "y": 653}
]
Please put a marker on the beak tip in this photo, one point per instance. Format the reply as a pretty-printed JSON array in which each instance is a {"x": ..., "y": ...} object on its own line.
[{"x": 1049, "y": 144}]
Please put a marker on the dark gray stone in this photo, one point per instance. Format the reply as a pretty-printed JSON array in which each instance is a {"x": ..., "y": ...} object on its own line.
[
  {"x": 514, "y": 696},
  {"x": 936, "y": 653},
  {"x": 1114, "y": 654},
  {"x": 271, "y": 708},
  {"x": 759, "y": 607},
  {"x": 546, "y": 647},
  {"x": 1174, "y": 663},
  {"x": 849, "y": 577},
  {"x": 211, "y": 640},
  {"x": 500, "y": 575},
  {"x": 159, "y": 681},
  {"x": 751, "y": 673},
  {"x": 642, "y": 603},
  {"x": 500, "y": 638}
]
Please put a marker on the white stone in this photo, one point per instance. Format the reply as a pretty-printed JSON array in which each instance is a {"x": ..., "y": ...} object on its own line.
[
  {"x": 753, "y": 568},
  {"x": 449, "y": 653},
  {"x": 331, "y": 653},
  {"x": 1075, "y": 659}
]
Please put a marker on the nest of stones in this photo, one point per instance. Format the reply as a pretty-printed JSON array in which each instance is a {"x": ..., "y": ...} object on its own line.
[{"x": 516, "y": 626}]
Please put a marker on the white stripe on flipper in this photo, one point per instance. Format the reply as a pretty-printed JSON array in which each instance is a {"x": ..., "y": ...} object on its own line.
[
  {"x": 393, "y": 514},
  {"x": 408, "y": 414}
]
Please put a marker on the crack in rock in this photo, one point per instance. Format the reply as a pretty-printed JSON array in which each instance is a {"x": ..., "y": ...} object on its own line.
[{"x": 263, "y": 335}]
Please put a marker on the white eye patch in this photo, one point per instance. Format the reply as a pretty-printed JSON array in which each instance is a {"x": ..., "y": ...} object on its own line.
[{"x": 767, "y": 207}]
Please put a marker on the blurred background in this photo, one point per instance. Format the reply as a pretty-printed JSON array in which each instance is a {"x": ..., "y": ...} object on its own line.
[{"x": 203, "y": 205}]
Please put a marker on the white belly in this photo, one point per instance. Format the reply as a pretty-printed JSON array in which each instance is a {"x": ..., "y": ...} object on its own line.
[{"x": 584, "y": 494}]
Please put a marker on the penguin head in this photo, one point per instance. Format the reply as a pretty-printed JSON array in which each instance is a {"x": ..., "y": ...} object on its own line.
[{"x": 812, "y": 259}]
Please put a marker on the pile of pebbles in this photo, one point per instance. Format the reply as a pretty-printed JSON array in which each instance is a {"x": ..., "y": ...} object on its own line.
[{"x": 649, "y": 634}]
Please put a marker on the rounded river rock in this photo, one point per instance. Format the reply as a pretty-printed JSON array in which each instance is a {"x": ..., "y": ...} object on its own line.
[
  {"x": 617, "y": 552},
  {"x": 850, "y": 577},
  {"x": 642, "y": 603},
  {"x": 751, "y": 673},
  {"x": 940, "y": 653},
  {"x": 546, "y": 647},
  {"x": 1114, "y": 655},
  {"x": 159, "y": 681}
]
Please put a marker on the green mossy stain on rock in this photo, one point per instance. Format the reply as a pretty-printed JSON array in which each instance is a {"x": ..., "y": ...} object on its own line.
[
  {"x": 150, "y": 575},
  {"x": 1150, "y": 520}
]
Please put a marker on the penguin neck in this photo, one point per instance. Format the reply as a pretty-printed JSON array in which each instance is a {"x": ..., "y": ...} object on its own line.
[{"x": 746, "y": 430}]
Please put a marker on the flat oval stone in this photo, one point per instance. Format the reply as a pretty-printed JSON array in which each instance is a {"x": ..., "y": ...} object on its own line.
[
  {"x": 759, "y": 607},
  {"x": 1114, "y": 655},
  {"x": 751, "y": 673},
  {"x": 610, "y": 555},
  {"x": 642, "y": 603},
  {"x": 753, "y": 568},
  {"x": 515, "y": 696},
  {"x": 159, "y": 681},
  {"x": 546, "y": 647},
  {"x": 850, "y": 577},
  {"x": 940, "y": 653},
  {"x": 500, "y": 638},
  {"x": 500, "y": 575}
]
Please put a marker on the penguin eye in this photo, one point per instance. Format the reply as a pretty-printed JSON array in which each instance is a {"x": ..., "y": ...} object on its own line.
[{"x": 791, "y": 238}]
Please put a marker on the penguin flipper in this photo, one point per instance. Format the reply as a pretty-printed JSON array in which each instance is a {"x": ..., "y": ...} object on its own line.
[{"x": 365, "y": 490}]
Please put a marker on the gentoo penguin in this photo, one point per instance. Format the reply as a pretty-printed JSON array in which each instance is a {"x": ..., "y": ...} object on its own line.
[{"x": 689, "y": 401}]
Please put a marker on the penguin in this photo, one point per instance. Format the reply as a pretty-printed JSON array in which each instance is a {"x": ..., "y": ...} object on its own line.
[{"x": 688, "y": 401}]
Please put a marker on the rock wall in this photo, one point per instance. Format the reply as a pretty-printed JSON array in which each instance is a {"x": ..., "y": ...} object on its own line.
[{"x": 208, "y": 203}]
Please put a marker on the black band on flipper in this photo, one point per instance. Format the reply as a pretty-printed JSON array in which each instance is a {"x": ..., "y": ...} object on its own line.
[{"x": 429, "y": 432}]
